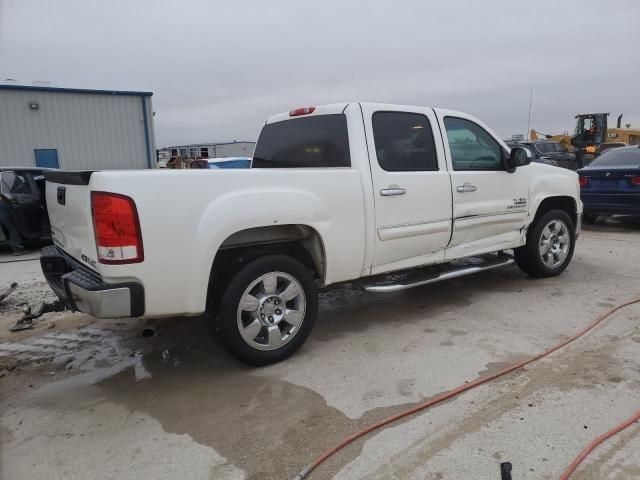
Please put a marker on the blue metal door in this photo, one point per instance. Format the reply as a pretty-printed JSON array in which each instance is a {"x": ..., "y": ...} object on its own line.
[{"x": 46, "y": 158}]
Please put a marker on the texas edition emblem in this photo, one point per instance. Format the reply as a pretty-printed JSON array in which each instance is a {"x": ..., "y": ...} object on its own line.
[{"x": 518, "y": 203}]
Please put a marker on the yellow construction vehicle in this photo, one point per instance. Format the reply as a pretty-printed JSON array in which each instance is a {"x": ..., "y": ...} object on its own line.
[
  {"x": 628, "y": 135},
  {"x": 563, "y": 138},
  {"x": 591, "y": 136}
]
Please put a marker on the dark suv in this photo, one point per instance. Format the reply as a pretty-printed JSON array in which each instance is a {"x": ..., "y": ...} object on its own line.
[
  {"x": 549, "y": 152},
  {"x": 22, "y": 190}
]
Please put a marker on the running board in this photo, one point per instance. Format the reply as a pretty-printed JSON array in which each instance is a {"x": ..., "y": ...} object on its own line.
[{"x": 418, "y": 277}]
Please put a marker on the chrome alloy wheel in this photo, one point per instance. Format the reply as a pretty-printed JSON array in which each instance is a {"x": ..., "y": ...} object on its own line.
[
  {"x": 271, "y": 311},
  {"x": 554, "y": 243}
]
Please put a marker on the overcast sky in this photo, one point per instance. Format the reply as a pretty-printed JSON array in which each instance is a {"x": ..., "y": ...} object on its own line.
[{"x": 218, "y": 69}]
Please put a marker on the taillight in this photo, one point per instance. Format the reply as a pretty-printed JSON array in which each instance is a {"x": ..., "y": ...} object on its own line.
[
  {"x": 116, "y": 228},
  {"x": 635, "y": 181},
  {"x": 583, "y": 181},
  {"x": 301, "y": 111}
]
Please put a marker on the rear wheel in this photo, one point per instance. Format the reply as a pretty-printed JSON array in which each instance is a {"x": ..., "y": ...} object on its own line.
[
  {"x": 267, "y": 310},
  {"x": 550, "y": 245}
]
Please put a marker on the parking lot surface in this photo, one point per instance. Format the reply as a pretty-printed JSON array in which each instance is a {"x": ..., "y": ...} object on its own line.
[{"x": 85, "y": 399}]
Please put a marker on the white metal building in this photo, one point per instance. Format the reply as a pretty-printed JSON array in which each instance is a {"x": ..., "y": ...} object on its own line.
[
  {"x": 75, "y": 129},
  {"x": 213, "y": 150}
]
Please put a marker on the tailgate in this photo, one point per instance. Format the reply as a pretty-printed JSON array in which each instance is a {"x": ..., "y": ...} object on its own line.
[{"x": 69, "y": 206}]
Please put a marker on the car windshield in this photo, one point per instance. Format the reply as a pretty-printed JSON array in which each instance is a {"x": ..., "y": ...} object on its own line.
[
  {"x": 618, "y": 157},
  {"x": 549, "y": 147}
]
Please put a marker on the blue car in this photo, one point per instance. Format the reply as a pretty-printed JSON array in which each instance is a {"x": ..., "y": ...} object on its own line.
[
  {"x": 230, "y": 162},
  {"x": 610, "y": 185}
]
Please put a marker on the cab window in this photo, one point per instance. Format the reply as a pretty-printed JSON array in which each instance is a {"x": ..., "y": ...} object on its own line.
[
  {"x": 471, "y": 146},
  {"x": 404, "y": 142}
]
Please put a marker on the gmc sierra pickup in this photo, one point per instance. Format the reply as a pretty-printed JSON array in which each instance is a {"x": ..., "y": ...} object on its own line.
[{"x": 335, "y": 193}]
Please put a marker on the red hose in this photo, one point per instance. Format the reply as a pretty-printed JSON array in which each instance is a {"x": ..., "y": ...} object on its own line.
[
  {"x": 583, "y": 454},
  {"x": 456, "y": 391}
]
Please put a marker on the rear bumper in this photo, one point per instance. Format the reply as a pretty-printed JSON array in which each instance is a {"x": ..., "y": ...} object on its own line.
[
  {"x": 84, "y": 290},
  {"x": 611, "y": 204}
]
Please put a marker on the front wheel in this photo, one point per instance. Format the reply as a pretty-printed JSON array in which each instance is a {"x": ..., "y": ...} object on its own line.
[
  {"x": 549, "y": 247},
  {"x": 268, "y": 310}
]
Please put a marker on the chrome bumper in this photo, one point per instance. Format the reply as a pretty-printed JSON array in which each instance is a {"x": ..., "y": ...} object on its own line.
[{"x": 82, "y": 289}]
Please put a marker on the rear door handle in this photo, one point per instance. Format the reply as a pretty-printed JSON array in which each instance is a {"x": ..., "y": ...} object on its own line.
[
  {"x": 391, "y": 191},
  {"x": 466, "y": 187}
]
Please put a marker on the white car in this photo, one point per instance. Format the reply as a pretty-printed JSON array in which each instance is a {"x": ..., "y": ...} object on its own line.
[{"x": 336, "y": 193}]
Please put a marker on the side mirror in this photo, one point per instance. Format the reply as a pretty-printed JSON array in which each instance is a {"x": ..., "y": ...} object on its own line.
[{"x": 519, "y": 157}]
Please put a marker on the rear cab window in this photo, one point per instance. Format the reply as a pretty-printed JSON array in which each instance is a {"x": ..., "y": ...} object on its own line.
[{"x": 319, "y": 141}]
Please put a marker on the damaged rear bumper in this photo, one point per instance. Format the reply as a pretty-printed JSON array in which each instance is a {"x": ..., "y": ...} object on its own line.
[{"x": 84, "y": 290}]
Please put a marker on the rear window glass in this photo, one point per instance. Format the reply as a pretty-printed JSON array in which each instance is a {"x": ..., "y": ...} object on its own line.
[
  {"x": 319, "y": 141},
  {"x": 619, "y": 157}
]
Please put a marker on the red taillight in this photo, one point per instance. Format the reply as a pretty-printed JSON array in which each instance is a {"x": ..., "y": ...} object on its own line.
[
  {"x": 301, "y": 111},
  {"x": 583, "y": 181},
  {"x": 635, "y": 181},
  {"x": 116, "y": 228}
]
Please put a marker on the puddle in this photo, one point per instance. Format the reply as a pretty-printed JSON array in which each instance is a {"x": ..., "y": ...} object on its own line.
[{"x": 263, "y": 425}]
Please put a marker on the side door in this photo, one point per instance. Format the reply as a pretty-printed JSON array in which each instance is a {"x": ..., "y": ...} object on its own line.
[
  {"x": 411, "y": 187},
  {"x": 490, "y": 204},
  {"x": 17, "y": 191}
]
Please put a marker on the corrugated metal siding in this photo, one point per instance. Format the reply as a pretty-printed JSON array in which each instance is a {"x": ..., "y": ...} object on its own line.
[{"x": 89, "y": 131}]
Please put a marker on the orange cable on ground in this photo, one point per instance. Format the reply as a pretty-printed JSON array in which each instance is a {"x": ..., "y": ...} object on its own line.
[
  {"x": 589, "y": 448},
  {"x": 455, "y": 392}
]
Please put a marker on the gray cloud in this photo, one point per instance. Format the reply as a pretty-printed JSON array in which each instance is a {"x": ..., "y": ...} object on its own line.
[{"x": 218, "y": 69}]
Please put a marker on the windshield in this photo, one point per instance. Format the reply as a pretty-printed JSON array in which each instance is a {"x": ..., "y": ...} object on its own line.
[
  {"x": 549, "y": 147},
  {"x": 618, "y": 157}
]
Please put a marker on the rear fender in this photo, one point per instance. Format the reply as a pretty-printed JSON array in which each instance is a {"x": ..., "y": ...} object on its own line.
[{"x": 244, "y": 209}]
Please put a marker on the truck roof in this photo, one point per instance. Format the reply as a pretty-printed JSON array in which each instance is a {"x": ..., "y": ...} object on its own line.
[
  {"x": 335, "y": 108},
  {"x": 332, "y": 108}
]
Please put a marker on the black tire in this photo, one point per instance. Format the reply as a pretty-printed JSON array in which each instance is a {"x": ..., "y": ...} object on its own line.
[
  {"x": 227, "y": 319},
  {"x": 529, "y": 258},
  {"x": 589, "y": 217}
]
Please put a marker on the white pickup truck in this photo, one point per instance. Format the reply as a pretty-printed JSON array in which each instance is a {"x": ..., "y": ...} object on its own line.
[{"x": 335, "y": 193}]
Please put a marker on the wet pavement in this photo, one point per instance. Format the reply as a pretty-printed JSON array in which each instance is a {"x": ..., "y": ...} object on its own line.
[{"x": 97, "y": 400}]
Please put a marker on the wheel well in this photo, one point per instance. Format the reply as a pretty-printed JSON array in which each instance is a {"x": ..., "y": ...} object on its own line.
[
  {"x": 568, "y": 204},
  {"x": 298, "y": 241}
]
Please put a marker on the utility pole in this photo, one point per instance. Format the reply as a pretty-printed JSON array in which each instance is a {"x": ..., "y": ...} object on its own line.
[{"x": 529, "y": 119}]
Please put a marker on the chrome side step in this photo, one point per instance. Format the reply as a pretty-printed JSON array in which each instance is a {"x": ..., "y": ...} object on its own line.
[{"x": 456, "y": 270}]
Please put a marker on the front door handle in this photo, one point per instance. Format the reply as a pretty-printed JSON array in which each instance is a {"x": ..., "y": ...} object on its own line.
[
  {"x": 466, "y": 187},
  {"x": 391, "y": 191}
]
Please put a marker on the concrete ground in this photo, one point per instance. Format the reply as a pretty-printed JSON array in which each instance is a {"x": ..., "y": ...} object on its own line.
[{"x": 95, "y": 400}]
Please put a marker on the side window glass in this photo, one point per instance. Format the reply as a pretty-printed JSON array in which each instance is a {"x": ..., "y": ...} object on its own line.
[
  {"x": 472, "y": 148},
  {"x": 13, "y": 183},
  {"x": 404, "y": 142}
]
